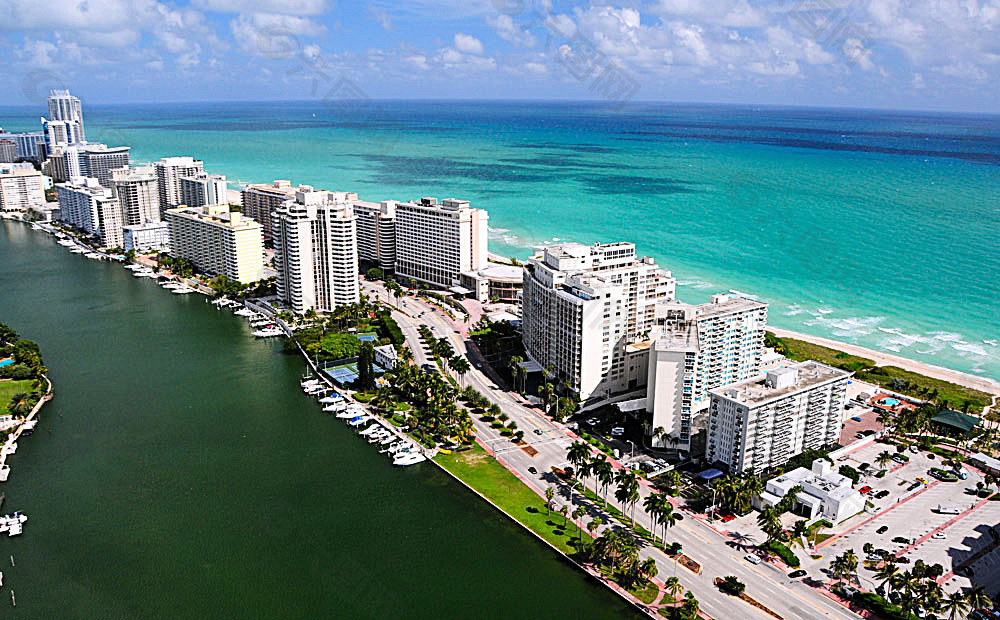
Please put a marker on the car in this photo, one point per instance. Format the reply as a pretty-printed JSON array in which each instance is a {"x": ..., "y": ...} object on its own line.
[
  {"x": 864, "y": 490},
  {"x": 859, "y": 435},
  {"x": 864, "y": 466},
  {"x": 867, "y": 433},
  {"x": 795, "y": 574},
  {"x": 921, "y": 480},
  {"x": 899, "y": 459},
  {"x": 592, "y": 421},
  {"x": 428, "y": 368},
  {"x": 532, "y": 470},
  {"x": 901, "y": 541},
  {"x": 882, "y": 530},
  {"x": 726, "y": 518},
  {"x": 902, "y": 560},
  {"x": 538, "y": 431},
  {"x": 616, "y": 431},
  {"x": 881, "y": 494},
  {"x": 856, "y": 418},
  {"x": 752, "y": 559},
  {"x": 938, "y": 536},
  {"x": 914, "y": 449},
  {"x": 931, "y": 456}
]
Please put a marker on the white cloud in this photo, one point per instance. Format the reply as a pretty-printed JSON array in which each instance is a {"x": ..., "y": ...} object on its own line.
[
  {"x": 468, "y": 44},
  {"x": 963, "y": 70},
  {"x": 284, "y": 7},
  {"x": 268, "y": 34},
  {"x": 37, "y": 54},
  {"x": 382, "y": 17},
  {"x": 732, "y": 13},
  {"x": 508, "y": 30}
]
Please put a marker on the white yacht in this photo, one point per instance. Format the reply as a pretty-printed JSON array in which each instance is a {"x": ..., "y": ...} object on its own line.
[
  {"x": 334, "y": 408},
  {"x": 410, "y": 458},
  {"x": 4, "y": 473},
  {"x": 269, "y": 333},
  {"x": 244, "y": 312},
  {"x": 359, "y": 420},
  {"x": 331, "y": 399}
]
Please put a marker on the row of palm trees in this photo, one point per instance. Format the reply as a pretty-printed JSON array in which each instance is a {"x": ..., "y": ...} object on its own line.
[
  {"x": 435, "y": 411},
  {"x": 622, "y": 551},
  {"x": 736, "y": 493}
]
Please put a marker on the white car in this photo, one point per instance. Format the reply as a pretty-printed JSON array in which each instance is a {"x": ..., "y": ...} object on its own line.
[
  {"x": 938, "y": 536},
  {"x": 752, "y": 559},
  {"x": 616, "y": 431}
]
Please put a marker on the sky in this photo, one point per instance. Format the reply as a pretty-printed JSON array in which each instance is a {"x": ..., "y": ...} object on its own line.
[{"x": 899, "y": 54}]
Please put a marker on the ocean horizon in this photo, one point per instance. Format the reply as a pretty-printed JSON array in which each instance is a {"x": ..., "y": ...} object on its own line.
[{"x": 873, "y": 227}]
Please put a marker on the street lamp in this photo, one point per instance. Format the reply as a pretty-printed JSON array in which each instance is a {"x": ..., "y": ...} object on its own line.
[{"x": 632, "y": 455}]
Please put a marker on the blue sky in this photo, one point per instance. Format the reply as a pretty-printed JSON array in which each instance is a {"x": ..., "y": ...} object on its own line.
[{"x": 905, "y": 54}]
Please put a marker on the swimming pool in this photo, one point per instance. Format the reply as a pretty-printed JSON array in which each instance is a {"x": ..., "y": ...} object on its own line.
[
  {"x": 6, "y": 362},
  {"x": 888, "y": 402}
]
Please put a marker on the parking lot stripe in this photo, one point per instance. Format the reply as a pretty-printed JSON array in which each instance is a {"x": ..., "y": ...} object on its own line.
[{"x": 876, "y": 515}]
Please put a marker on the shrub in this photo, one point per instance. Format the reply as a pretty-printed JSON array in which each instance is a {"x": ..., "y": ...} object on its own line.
[
  {"x": 849, "y": 472},
  {"x": 732, "y": 585},
  {"x": 391, "y": 329},
  {"x": 881, "y": 607},
  {"x": 880, "y": 474},
  {"x": 782, "y": 551}
]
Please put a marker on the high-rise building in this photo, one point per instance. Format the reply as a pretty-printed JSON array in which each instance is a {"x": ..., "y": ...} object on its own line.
[
  {"x": 27, "y": 143},
  {"x": 8, "y": 151},
  {"x": 138, "y": 193},
  {"x": 66, "y": 108},
  {"x": 731, "y": 341},
  {"x": 760, "y": 423},
  {"x": 60, "y": 133},
  {"x": 98, "y": 160},
  {"x": 85, "y": 204},
  {"x": 316, "y": 251},
  {"x": 582, "y": 306},
  {"x": 21, "y": 187},
  {"x": 151, "y": 237},
  {"x": 203, "y": 189},
  {"x": 672, "y": 364},
  {"x": 377, "y": 232},
  {"x": 436, "y": 242},
  {"x": 260, "y": 201},
  {"x": 217, "y": 241},
  {"x": 169, "y": 172}
]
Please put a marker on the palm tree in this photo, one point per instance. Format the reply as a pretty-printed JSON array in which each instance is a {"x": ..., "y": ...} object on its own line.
[
  {"x": 955, "y": 605},
  {"x": 883, "y": 458},
  {"x": 979, "y": 598},
  {"x": 845, "y": 565},
  {"x": 884, "y": 418},
  {"x": 673, "y": 587},
  {"x": 594, "y": 524},
  {"x": 383, "y": 400},
  {"x": 605, "y": 473},
  {"x": 799, "y": 530},
  {"x": 577, "y": 454},
  {"x": 579, "y": 512},
  {"x": 461, "y": 366},
  {"x": 549, "y": 494},
  {"x": 515, "y": 368},
  {"x": 546, "y": 391},
  {"x": 770, "y": 522},
  {"x": 648, "y": 569},
  {"x": 564, "y": 510},
  {"x": 628, "y": 491},
  {"x": 690, "y": 606},
  {"x": 653, "y": 505}
]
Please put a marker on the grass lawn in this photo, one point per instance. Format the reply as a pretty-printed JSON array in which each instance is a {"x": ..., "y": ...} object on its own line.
[
  {"x": 9, "y": 387},
  {"x": 800, "y": 350},
  {"x": 483, "y": 473}
]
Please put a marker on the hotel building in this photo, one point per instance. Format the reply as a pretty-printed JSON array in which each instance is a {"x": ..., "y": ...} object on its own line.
[
  {"x": 85, "y": 204},
  {"x": 203, "y": 189},
  {"x": 437, "y": 242},
  {"x": 260, "y": 201},
  {"x": 21, "y": 187},
  {"x": 377, "y": 232},
  {"x": 8, "y": 151},
  {"x": 67, "y": 108},
  {"x": 581, "y": 308},
  {"x": 138, "y": 193},
  {"x": 762, "y": 422},
  {"x": 316, "y": 251},
  {"x": 217, "y": 241},
  {"x": 169, "y": 172}
]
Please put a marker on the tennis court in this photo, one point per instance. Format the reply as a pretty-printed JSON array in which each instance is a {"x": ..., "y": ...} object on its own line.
[{"x": 346, "y": 373}]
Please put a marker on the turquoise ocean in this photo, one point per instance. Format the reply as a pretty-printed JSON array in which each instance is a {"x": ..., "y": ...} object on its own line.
[{"x": 870, "y": 227}]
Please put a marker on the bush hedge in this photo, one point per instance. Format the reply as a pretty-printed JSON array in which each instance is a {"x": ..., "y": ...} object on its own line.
[
  {"x": 881, "y": 607},
  {"x": 782, "y": 551}
]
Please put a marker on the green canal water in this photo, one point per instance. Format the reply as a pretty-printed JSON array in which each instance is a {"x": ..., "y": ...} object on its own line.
[{"x": 181, "y": 473}]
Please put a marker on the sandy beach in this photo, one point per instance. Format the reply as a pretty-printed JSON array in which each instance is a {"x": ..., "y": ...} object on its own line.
[{"x": 985, "y": 384}]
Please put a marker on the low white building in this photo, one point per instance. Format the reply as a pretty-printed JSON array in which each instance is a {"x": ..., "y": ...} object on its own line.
[
  {"x": 149, "y": 237},
  {"x": 21, "y": 187},
  {"x": 385, "y": 357},
  {"x": 494, "y": 283},
  {"x": 825, "y": 494}
]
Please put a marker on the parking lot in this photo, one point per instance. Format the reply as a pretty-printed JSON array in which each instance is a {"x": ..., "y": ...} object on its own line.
[{"x": 910, "y": 512}]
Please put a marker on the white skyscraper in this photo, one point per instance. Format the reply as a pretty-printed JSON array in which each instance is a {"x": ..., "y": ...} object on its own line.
[
  {"x": 138, "y": 194},
  {"x": 436, "y": 242},
  {"x": 217, "y": 241},
  {"x": 169, "y": 172},
  {"x": 316, "y": 251},
  {"x": 582, "y": 306},
  {"x": 85, "y": 204},
  {"x": 21, "y": 187},
  {"x": 760, "y": 423},
  {"x": 65, "y": 107}
]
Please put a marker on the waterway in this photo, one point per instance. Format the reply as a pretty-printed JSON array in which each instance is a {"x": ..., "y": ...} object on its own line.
[{"x": 181, "y": 473}]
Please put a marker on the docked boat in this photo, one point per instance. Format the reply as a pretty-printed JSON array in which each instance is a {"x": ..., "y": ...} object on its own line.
[
  {"x": 348, "y": 414},
  {"x": 332, "y": 398},
  {"x": 371, "y": 429},
  {"x": 334, "y": 408},
  {"x": 410, "y": 458},
  {"x": 356, "y": 421},
  {"x": 183, "y": 289},
  {"x": 15, "y": 529},
  {"x": 269, "y": 333},
  {"x": 244, "y": 312},
  {"x": 4, "y": 473}
]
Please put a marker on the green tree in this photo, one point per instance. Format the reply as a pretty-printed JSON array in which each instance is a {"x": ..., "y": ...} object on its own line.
[
  {"x": 549, "y": 494},
  {"x": 461, "y": 366},
  {"x": 374, "y": 274},
  {"x": 956, "y": 605}
]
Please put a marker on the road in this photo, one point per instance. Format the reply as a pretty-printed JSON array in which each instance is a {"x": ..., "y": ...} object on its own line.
[{"x": 718, "y": 556}]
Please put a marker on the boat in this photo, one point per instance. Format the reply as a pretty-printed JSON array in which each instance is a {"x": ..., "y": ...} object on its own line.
[
  {"x": 220, "y": 301},
  {"x": 332, "y": 398},
  {"x": 1, "y": 578},
  {"x": 992, "y": 343},
  {"x": 268, "y": 333},
  {"x": 371, "y": 429},
  {"x": 334, "y": 408},
  {"x": 4, "y": 473},
  {"x": 94, "y": 256},
  {"x": 388, "y": 440},
  {"x": 15, "y": 529},
  {"x": 411, "y": 458},
  {"x": 348, "y": 414},
  {"x": 244, "y": 312},
  {"x": 358, "y": 421},
  {"x": 183, "y": 289}
]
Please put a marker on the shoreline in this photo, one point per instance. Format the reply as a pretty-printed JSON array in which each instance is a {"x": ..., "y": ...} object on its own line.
[{"x": 985, "y": 384}]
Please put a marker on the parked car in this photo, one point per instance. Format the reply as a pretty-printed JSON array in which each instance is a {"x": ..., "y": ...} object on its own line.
[
  {"x": 938, "y": 536},
  {"x": 538, "y": 431},
  {"x": 752, "y": 559},
  {"x": 532, "y": 470},
  {"x": 931, "y": 456},
  {"x": 592, "y": 421},
  {"x": 795, "y": 574},
  {"x": 864, "y": 490},
  {"x": 900, "y": 540},
  {"x": 914, "y": 449},
  {"x": 881, "y": 494},
  {"x": 899, "y": 459},
  {"x": 882, "y": 530},
  {"x": 616, "y": 431},
  {"x": 726, "y": 518},
  {"x": 902, "y": 560}
]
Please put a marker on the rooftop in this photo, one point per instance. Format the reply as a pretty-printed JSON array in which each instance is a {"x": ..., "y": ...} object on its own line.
[
  {"x": 682, "y": 335},
  {"x": 758, "y": 390},
  {"x": 957, "y": 420},
  {"x": 725, "y": 304}
]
